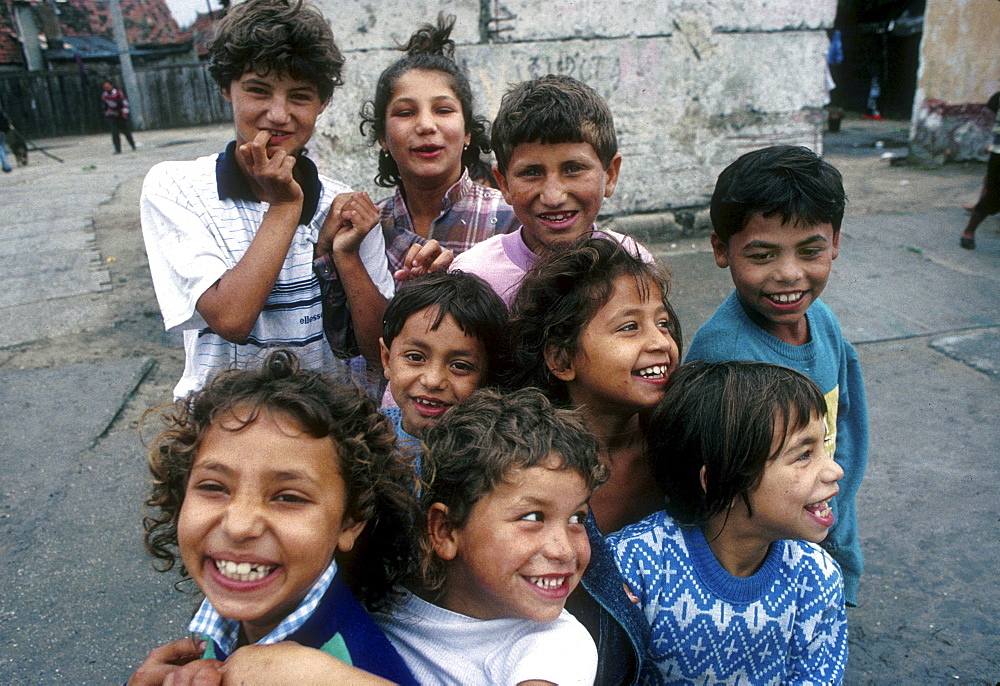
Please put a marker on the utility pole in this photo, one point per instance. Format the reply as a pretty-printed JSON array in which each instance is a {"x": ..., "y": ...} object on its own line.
[{"x": 131, "y": 85}]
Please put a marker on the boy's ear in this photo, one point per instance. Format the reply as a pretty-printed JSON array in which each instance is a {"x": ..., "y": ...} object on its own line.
[
  {"x": 502, "y": 183},
  {"x": 226, "y": 93},
  {"x": 836, "y": 244},
  {"x": 720, "y": 249},
  {"x": 442, "y": 534},
  {"x": 703, "y": 478},
  {"x": 384, "y": 354},
  {"x": 611, "y": 175},
  {"x": 559, "y": 363},
  {"x": 349, "y": 534}
]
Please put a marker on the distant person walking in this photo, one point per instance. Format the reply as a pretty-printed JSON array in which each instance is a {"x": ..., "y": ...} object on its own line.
[
  {"x": 116, "y": 111},
  {"x": 989, "y": 197},
  {"x": 4, "y": 128}
]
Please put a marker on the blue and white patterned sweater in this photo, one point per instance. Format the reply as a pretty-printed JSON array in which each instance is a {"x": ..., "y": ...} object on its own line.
[{"x": 784, "y": 624}]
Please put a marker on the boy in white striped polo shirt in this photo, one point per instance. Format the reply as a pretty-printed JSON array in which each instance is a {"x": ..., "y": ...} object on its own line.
[{"x": 231, "y": 237}]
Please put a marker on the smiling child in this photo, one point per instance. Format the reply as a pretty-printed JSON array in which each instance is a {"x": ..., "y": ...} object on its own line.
[
  {"x": 231, "y": 237},
  {"x": 441, "y": 340},
  {"x": 261, "y": 480},
  {"x": 508, "y": 484},
  {"x": 776, "y": 215},
  {"x": 557, "y": 160},
  {"x": 729, "y": 575}
]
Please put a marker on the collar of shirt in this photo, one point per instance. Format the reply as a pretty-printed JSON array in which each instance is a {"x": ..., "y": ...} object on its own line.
[
  {"x": 232, "y": 184},
  {"x": 225, "y": 632},
  {"x": 460, "y": 189}
]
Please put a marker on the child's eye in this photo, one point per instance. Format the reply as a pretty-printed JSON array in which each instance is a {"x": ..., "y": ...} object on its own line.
[
  {"x": 573, "y": 168},
  {"x": 529, "y": 173},
  {"x": 402, "y": 113},
  {"x": 804, "y": 457},
  {"x": 759, "y": 256},
  {"x": 210, "y": 487},
  {"x": 533, "y": 517},
  {"x": 630, "y": 326},
  {"x": 809, "y": 253},
  {"x": 413, "y": 357},
  {"x": 463, "y": 367},
  {"x": 290, "y": 498},
  {"x": 578, "y": 518},
  {"x": 445, "y": 110}
]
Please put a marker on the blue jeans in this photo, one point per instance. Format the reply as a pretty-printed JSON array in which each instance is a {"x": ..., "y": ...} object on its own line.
[
  {"x": 616, "y": 624},
  {"x": 3, "y": 153}
]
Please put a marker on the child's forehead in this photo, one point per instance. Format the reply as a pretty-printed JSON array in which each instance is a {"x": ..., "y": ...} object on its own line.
[
  {"x": 542, "y": 153},
  {"x": 776, "y": 229},
  {"x": 432, "y": 326}
]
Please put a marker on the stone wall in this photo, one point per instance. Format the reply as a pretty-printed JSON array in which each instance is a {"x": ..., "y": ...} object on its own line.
[
  {"x": 691, "y": 84},
  {"x": 959, "y": 70}
]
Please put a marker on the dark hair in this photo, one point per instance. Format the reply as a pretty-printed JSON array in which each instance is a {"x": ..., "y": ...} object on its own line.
[
  {"x": 783, "y": 180},
  {"x": 431, "y": 49},
  {"x": 481, "y": 169},
  {"x": 553, "y": 109},
  {"x": 723, "y": 416},
  {"x": 475, "y": 446},
  {"x": 288, "y": 38},
  {"x": 476, "y": 307},
  {"x": 379, "y": 480},
  {"x": 561, "y": 294}
]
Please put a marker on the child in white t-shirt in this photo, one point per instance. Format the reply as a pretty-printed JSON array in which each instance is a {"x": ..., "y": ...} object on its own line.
[{"x": 508, "y": 480}]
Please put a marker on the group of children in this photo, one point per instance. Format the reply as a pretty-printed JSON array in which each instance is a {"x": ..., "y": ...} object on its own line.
[{"x": 547, "y": 496}]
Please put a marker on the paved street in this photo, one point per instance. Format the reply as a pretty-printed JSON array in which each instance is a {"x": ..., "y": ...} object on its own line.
[{"x": 82, "y": 354}]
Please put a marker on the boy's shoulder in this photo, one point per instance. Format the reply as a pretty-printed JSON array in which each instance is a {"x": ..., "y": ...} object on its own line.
[{"x": 730, "y": 334}]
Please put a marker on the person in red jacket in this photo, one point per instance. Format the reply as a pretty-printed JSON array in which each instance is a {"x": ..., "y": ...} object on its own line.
[{"x": 116, "y": 111}]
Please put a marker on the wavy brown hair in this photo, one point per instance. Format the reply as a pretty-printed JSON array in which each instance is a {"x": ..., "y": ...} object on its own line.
[
  {"x": 288, "y": 38},
  {"x": 561, "y": 294},
  {"x": 430, "y": 48},
  {"x": 476, "y": 446},
  {"x": 380, "y": 480}
]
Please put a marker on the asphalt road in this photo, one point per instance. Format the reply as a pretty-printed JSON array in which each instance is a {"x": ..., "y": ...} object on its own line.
[{"x": 82, "y": 353}]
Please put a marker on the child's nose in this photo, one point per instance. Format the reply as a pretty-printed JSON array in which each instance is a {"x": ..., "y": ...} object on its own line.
[
  {"x": 788, "y": 269},
  {"x": 277, "y": 112},
  {"x": 558, "y": 545},
  {"x": 426, "y": 122},
  {"x": 833, "y": 471},
  {"x": 434, "y": 376},
  {"x": 243, "y": 519},
  {"x": 553, "y": 191}
]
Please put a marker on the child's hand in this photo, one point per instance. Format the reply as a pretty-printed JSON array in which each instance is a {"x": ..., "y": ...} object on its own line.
[
  {"x": 270, "y": 177},
  {"x": 350, "y": 219},
  {"x": 290, "y": 663},
  {"x": 175, "y": 663},
  {"x": 424, "y": 259}
]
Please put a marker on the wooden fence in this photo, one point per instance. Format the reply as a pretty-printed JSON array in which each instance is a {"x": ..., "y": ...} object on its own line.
[{"x": 48, "y": 104}]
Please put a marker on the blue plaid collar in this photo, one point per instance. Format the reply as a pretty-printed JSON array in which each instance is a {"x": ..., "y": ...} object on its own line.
[{"x": 225, "y": 632}]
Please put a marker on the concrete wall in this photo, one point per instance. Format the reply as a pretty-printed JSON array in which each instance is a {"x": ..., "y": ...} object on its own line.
[
  {"x": 959, "y": 70},
  {"x": 691, "y": 84}
]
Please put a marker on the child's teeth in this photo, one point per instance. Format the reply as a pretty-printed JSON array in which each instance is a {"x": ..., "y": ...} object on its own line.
[
  {"x": 242, "y": 571},
  {"x": 546, "y": 583},
  {"x": 786, "y": 297},
  {"x": 654, "y": 372}
]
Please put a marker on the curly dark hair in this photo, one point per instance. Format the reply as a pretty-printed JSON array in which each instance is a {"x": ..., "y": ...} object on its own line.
[
  {"x": 432, "y": 49},
  {"x": 562, "y": 292},
  {"x": 723, "y": 416},
  {"x": 475, "y": 446},
  {"x": 288, "y": 38},
  {"x": 380, "y": 480}
]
